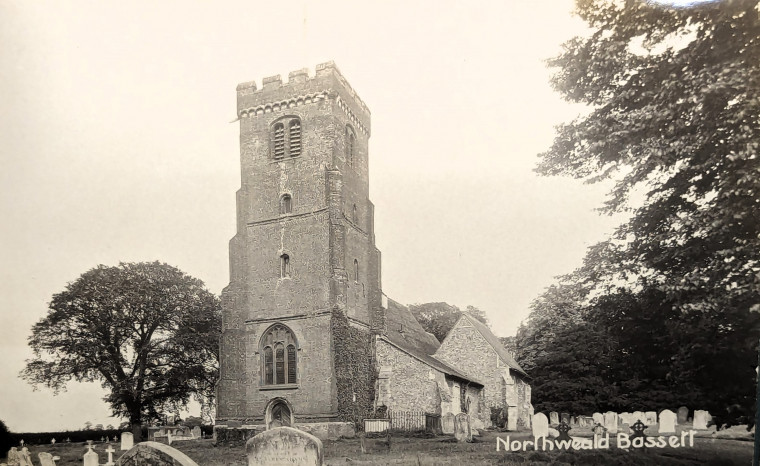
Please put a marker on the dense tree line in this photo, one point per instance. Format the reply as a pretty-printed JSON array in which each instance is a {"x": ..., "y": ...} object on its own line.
[
  {"x": 440, "y": 318},
  {"x": 663, "y": 313}
]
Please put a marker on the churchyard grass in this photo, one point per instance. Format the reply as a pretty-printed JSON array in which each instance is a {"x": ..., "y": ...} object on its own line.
[{"x": 444, "y": 451}]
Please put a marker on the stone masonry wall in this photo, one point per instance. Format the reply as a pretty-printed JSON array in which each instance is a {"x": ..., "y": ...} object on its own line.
[{"x": 411, "y": 385}]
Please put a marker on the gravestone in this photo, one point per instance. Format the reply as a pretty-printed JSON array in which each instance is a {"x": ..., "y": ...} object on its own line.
[
  {"x": 462, "y": 430},
  {"x": 638, "y": 416},
  {"x": 638, "y": 429},
  {"x": 540, "y": 426},
  {"x": 196, "y": 432},
  {"x": 447, "y": 423},
  {"x": 12, "y": 456},
  {"x": 24, "y": 458},
  {"x": 110, "y": 452},
  {"x": 667, "y": 422},
  {"x": 683, "y": 415},
  {"x": 598, "y": 418},
  {"x": 127, "y": 441},
  {"x": 700, "y": 419},
  {"x": 46, "y": 459},
  {"x": 625, "y": 418},
  {"x": 91, "y": 458},
  {"x": 284, "y": 446},
  {"x": 563, "y": 430},
  {"x": 651, "y": 418},
  {"x": 611, "y": 422},
  {"x": 553, "y": 418},
  {"x": 564, "y": 417}
]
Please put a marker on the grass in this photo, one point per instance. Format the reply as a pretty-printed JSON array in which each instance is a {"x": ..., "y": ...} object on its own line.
[{"x": 444, "y": 451}]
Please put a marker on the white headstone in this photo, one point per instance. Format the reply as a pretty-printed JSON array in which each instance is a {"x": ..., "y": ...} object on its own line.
[
  {"x": 25, "y": 459},
  {"x": 540, "y": 426},
  {"x": 638, "y": 416},
  {"x": 110, "y": 451},
  {"x": 700, "y": 419},
  {"x": 447, "y": 423},
  {"x": 611, "y": 422},
  {"x": 127, "y": 441},
  {"x": 196, "y": 432},
  {"x": 91, "y": 458},
  {"x": 284, "y": 446},
  {"x": 667, "y": 422},
  {"x": 46, "y": 459},
  {"x": 651, "y": 418},
  {"x": 554, "y": 417},
  {"x": 462, "y": 429},
  {"x": 598, "y": 418}
]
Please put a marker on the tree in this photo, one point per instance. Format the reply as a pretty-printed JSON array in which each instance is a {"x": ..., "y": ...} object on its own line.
[
  {"x": 6, "y": 441},
  {"x": 440, "y": 318},
  {"x": 147, "y": 331},
  {"x": 674, "y": 100}
]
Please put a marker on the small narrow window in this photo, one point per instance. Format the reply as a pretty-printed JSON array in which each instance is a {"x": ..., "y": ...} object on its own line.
[
  {"x": 355, "y": 215},
  {"x": 279, "y": 141},
  {"x": 356, "y": 270},
  {"x": 285, "y": 204},
  {"x": 284, "y": 266},
  {"x": 350, "y": 143},
  {"x": 295, "y": 137},
  {"x": 268, "y": 366},
  {"x": 291, "y": 364},
  {"x": 279, "y": 359}
]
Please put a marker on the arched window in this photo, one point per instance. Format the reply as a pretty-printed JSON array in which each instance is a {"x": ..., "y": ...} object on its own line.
[
  {"x": 280, "y": 356},
  {"x": 350, "y": 144},
  {"x": 285, "y": 204},
  {"x": 284, "y": 266},
  {"x": 356, "y": 270},
  {"x": 295, "y": 137},
  {"x": 279, "y": 141}
]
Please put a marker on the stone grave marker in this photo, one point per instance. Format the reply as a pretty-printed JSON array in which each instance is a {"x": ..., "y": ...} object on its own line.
[
  {"x": 110, "y": 451},
  {"x": 638, "y": 416},
  {"x": 540, "y": 426},
  {"x": 651, "y": 418},
  {"x": 564, "y": 417},
  {"x": 24, "y": 458},
  {"x": 683, "y": 415},
  {"x": 700, "y": 419},
  {"x": 611, "y": 422},
  {"x": 553, "y": 418},
  {"x": 12, "y": 456},
  {"x": 91, "y": 458},
  {"x": 638, "y": 429},
  {"x": 563, "y": 430},
  {"x": 667, "y": 422},
  {"x": 46, "y": 459},
  {"x": 462, "y": 430},
  {"x": 284, "y": 446},
  {"x": 196, "y": 432},
  {"x": 598, "y": 418},
  {"x": 127, "y": 441},
  {"x": 447, "y": 423}
]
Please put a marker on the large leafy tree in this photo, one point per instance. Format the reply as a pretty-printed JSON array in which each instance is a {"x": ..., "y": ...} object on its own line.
[
  {"x": 147, "y": 331},
  {"x": 440, "y": 318},
  {"x": 674, "y": 119}
]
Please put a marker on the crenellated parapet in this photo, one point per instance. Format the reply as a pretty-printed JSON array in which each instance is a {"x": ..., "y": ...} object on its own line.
[{"x": 301, "y": 89}]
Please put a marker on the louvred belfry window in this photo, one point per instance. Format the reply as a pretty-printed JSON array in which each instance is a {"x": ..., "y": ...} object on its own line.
[
  {"x": 280, "y": 356},
  {"x": 295, "y": 138},
  {"x": 279, "y": 141}
]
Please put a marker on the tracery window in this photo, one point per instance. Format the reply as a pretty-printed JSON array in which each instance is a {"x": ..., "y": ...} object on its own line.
[{"x": 280, "y": 362}]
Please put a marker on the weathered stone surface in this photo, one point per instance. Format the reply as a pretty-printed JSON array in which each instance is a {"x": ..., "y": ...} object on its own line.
[
  {"x": 564, "y": 417},
  {"x": 462, "y": 429},
  {"x": 24, "y": 457},
  {"x": 46, "y": 459},
  {"x": 540, "y": 425},
  {"x": 683, "y": 415},
  {"x": 127, "y": 441},
  {"x": 700, "y": 419},
  {"x": 447, "y": 423},
  {"x": 611, "y": 422},
  {"x": 154, "y": 454},
  {"x": 553, "y": 418},
  {"x": 284, "y": 446},
  {"x": 651, "y": 418},
  {"x": 667, "y": 422},
  {"x": 196, "y": 432},
  {"x": 553, "y": 433},
  {"x": 91, "y": 457},
  {"x": 598, "y": 418}
]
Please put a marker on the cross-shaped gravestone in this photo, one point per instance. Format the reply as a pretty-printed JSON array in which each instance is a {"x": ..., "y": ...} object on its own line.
[
  {"x": 110, "y": 451},
  {"x": 563, "y": 429},
  {"x": 22, "y": 443},
  {"x": 638, "y": 429}
]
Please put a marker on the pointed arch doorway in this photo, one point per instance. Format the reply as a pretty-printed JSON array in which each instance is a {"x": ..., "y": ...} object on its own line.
[{"x": 279, "y": 413}]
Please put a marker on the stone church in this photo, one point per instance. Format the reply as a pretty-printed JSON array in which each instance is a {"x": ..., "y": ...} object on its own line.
[{"x": 308, "y": 337}]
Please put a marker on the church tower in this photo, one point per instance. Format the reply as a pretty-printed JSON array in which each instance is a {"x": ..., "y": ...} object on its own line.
[{"x": 303, "y": 261}]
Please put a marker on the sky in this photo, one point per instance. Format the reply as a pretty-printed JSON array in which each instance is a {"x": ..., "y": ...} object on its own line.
[{"x": 118, "y": 144}]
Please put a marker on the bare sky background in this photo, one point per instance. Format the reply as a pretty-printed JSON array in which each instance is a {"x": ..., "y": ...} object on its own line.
[{"x": 116, "y": 145}]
